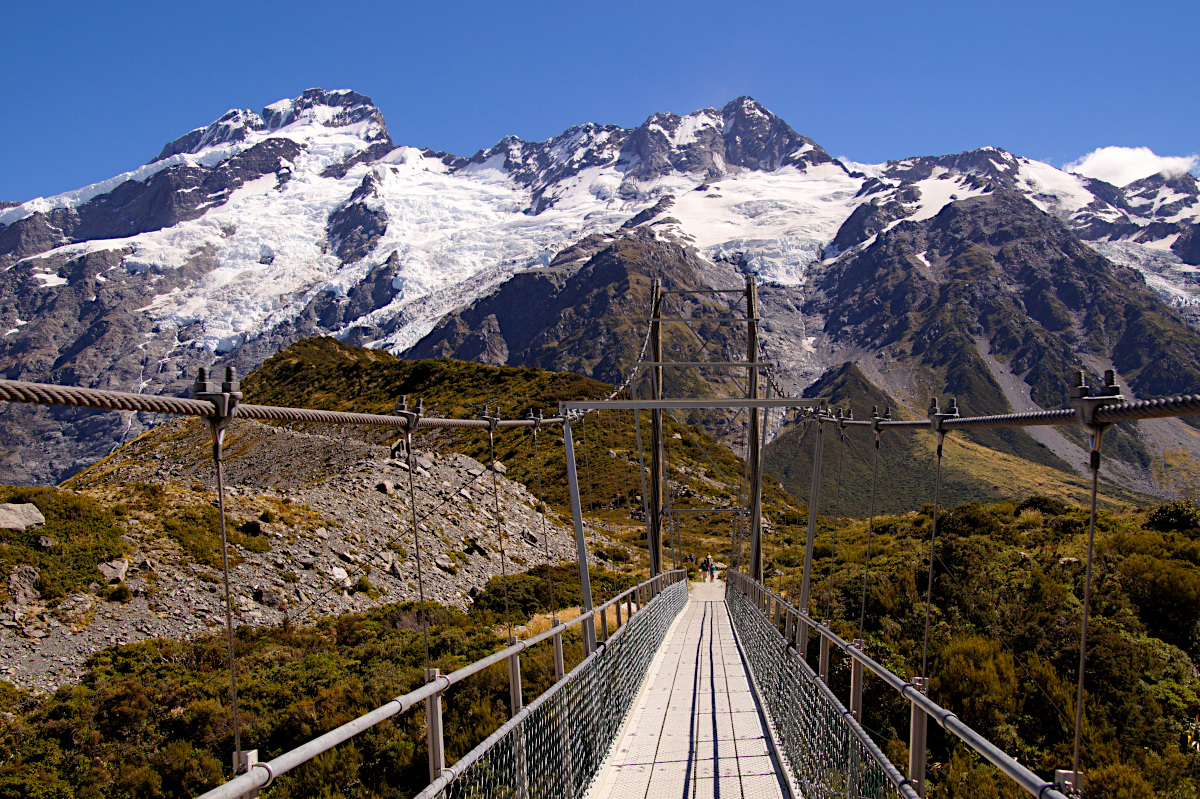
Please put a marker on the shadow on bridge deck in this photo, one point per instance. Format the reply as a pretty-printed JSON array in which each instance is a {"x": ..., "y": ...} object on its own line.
[{"x": 695, "y": 729}]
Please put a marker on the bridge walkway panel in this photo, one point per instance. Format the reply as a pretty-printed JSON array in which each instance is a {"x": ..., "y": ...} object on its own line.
[{"x": 695, "y": 730}]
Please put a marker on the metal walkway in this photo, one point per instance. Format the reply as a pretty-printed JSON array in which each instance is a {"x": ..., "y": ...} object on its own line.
[{"x": 695, "y": 730}]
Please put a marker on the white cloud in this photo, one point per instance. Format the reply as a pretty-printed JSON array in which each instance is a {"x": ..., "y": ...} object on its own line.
[{"x": 1122, "y": 165}]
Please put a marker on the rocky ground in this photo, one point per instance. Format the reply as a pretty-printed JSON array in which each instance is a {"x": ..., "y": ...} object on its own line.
[{"x": 338, "y": 523}]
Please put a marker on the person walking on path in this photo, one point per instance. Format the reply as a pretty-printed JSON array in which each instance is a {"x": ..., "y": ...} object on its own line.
[{"x": 707, "y": 567}]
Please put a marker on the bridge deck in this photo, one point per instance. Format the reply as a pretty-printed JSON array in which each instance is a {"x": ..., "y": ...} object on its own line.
[{"x": 695, "y": 730}]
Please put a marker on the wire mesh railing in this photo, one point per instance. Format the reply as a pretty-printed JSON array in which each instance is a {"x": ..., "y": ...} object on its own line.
[
  {"x": 827, "y": 752},
  {"x": 556, "y": 745},
  {"x": 766, "y": 621},
  {"x": 575, "y": 722}
]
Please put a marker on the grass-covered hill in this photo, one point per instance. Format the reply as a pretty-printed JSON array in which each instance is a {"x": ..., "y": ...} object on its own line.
[{"x": 327, "y": 374}]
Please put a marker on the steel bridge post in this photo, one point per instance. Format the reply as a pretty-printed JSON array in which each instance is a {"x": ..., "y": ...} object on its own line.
[
  {"x": 516, "y": 701},
  {"x": 585, "y": 578},
  {"x": 823, "y": 658},
  {"x": 754, "y": 434},
  {"x": 856, "y": 683},
  {"x": 560, "y": 669},
  {"x": 433, "y": 729},
  {"x": 657, "y": 467},
  {"x": 810, "y": 538},
  {"x": 918, "y": 727}
]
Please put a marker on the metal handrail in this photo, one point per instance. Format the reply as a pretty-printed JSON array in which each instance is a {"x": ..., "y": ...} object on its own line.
[
  {"x": 262, "y": 774},
  {"x": 902, "y": 785},
  {"x": 947, "y": 720}
]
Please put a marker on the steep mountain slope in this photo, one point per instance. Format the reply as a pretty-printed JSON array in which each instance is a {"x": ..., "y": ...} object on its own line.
[{"x": 306, "y": 219}]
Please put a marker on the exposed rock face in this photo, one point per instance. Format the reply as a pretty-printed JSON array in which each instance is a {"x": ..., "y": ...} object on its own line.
[
  {"x": 19, "y": 516},
  {"x": 356, "y": 225},
  {"x": 874, "y": 216},
  {"x": 577, "y": 314},
  {"x": 168, "y": 197},
  {"x": 707, "y": 143},
  {"x": 22, "y": 585}
]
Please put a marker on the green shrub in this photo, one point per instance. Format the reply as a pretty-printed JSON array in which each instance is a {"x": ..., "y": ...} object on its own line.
[
  {"x": 84, "y": 532},
  {"x": 1174, "y": 517},
  {"x": 1047, "y": 505},
  {"x": 120, "y": 593}
]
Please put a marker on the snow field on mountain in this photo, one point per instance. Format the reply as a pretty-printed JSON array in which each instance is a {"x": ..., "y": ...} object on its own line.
[
  {"x": 780, "y": 220},
  {"x": 1053, "y": 190}
]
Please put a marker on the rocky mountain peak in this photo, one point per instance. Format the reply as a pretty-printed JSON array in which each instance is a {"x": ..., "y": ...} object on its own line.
[
  {"x": 755, "y": 138},
  {"x": 331, "y": 109},
  {"x": 315, "y": 106},
  {"x": 233, "y": 126},
  {"x": 994, "y": 165}
]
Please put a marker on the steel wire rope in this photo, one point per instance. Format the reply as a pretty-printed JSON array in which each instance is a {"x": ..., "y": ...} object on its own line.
[
  {"x": 218, "y": 439},
  {"x": 537, "y": 460},
  {"x": 499, "y": 528},
  {"x": 742, "y": 495},
  {"x": 1087, "y": 600},
  {"x": 862, "y": 614},
  {"x": 587, "y": 466},
  {"x": 837, "y": 507},
  {"x": 412, "y": 502},
  {"x": 937, "y": 489}
]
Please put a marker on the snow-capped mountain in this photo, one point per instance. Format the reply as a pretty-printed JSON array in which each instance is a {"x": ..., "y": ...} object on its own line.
[{"x": 305, "y": 218}]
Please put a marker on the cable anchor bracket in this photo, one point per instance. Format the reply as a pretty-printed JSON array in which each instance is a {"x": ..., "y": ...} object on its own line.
[
  {"x": 1087, "y": 401},
  {"x": 224, "y": 397}
]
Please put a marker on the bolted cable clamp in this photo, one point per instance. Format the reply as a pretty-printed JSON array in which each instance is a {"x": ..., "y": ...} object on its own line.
[
  {"x": 536, "y": 418},
  {"x": 1087, "y": 401},
  {"x": 938, "y": 417},
  {"x": 411, "y": 418},
  {"x": 877, "y": 421},
  {"x": 224, "y": 397}
]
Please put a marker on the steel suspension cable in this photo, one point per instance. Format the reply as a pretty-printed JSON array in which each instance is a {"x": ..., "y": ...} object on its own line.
[
  {"x": 537, "y": 460},
  {"x": 499, "y": 528},
  {"x": 218, "y": 440},
  {"x": 937, "y": 488},
  {"x": 1087, "y": 602},
  {"x": 862, "y": 614},
  {"x": 587, "y": 466},
  {"x": 837, "y": 507},
  {"x": 412, "y": 504}
]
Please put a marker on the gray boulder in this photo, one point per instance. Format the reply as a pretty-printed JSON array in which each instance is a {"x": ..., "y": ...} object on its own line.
[
  {"x": 114, "y": 571},
  {"x": 19, "y": 516}
]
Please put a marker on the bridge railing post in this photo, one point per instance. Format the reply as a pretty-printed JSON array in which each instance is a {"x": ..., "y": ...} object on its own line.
[
  {"x": 918, "y": 727},
  {"x": 823, "y": 662},
  {"x": 560, "y": 669},
  {"x": 856, "y": 683},
  {"x": 434, "y": 740},
  {"x": 516, "y": 701}
]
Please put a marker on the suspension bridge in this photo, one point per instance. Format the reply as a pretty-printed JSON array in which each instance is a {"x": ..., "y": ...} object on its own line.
[{"x": 714, "y": 690}]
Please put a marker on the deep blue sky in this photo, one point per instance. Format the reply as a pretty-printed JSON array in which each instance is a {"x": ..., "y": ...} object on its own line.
[{"x": 94, "y": 89}]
